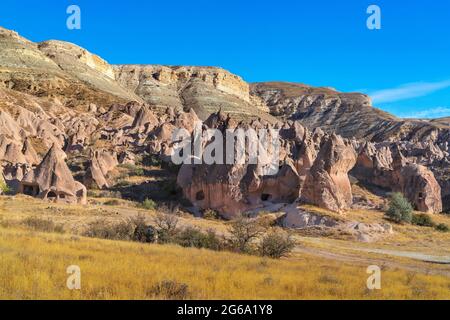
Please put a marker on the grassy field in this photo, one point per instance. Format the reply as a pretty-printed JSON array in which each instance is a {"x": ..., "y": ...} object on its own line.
[{"x": 33, "y": 264}]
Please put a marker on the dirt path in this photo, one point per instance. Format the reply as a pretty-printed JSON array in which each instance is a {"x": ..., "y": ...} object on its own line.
[{"x": 425, "y": 263}]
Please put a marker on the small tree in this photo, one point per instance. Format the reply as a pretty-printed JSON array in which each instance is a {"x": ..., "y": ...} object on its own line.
[
  {"x": 276, "y": 244},
  {"x": 243, "y": 232},
  {"x": 166, "y": 227},
  {"x": 400, "y": 210},
  {"x": 142, "y": 231}
]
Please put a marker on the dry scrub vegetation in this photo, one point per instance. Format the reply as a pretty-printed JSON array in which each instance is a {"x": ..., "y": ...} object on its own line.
[
  {"x": 38, "y": 241},
  {"x": 33, "y": 266}
]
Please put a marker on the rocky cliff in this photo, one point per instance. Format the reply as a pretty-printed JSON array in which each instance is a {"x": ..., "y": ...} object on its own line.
[{"x": 205, "y": 89}]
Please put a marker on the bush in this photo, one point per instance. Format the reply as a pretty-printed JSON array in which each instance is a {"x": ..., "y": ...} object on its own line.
[
  {"x": 192, "y": 237},
  {"x": 423, "y": 220},
  {"x": 123, "y": 230},
  {"x": 169, "y": 290},
  {"x": 142, "y": 231},
  {"x": 244, "y": 231},
  {"x": 149, "y": 204},
  {"x": 4, "y": 188},
  {"x": 44, "y": 225},
  {"x": 276, "y": 245},
  {"x": 211, "y": 215},
  {"x": 400, "y": 210},
  {"x": 166, "y": 227},
  {"x": 132, "y": 229},
  {"x": 442, "y": 227}
]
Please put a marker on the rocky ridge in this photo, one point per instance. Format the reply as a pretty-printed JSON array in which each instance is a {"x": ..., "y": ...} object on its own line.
[{"x": 59, "y": 101}]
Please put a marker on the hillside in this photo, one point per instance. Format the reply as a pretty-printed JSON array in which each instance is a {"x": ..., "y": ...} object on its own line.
[
  {"x": 57, "y": 74},
  {"x": 348, "y": 114}
]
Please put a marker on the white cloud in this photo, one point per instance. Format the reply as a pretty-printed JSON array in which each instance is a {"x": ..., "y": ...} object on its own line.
[
  {"x": 408, "y": 91},
  {"x": 437, "y": 112}
]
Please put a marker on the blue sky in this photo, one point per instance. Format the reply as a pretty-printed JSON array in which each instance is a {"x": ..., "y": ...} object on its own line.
[{"x": 405, "y": 66}]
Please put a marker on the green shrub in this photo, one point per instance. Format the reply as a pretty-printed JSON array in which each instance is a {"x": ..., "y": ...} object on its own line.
[
  {"x": 276, "y": 244},
  {"x": 192, "y": 237},
  {"x": 44, "y": 225},
  {"x": 423, "y": 220},
  {"x": 442, "y": 227},
  {"x": 149, "y": 204},
  {"x": 211, "y": 215},
  {"x": 400, "y": 210},
  {"x": 4, "y": 188}
]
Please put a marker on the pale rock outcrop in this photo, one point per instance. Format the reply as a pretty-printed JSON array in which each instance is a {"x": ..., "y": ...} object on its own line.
[
  {"x": 313, "y": 166},
  {"x": 10, "y": 151},
  {"x": 384, "y": 165},
  {"x": 145, "y": 120},
  {"x": 127, "y": 157},
  {"x": 296, "y": 218},
  {"x": 9, "y": 127},
  {"x": 101, "y": 163},
  {"x": 327, "y": 184},
  {"x": 31, "y": 157},
  {"x": 53, "y": 181},
  {"x": 419, "y": 186}
]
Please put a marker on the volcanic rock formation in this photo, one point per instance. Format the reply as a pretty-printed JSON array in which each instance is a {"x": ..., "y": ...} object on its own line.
[{"x": 53, "y": 181}]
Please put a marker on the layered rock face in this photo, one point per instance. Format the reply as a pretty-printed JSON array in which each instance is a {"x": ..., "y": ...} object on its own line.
[
  {"x": 85, "y": 67},
  {"x": 384, "y": 165},
  {"x": 313, "y": 168},
  {"x": 350, "y": 115},
  {"x": 51, "y": 74},
  {"x": 204, "y": 89}
]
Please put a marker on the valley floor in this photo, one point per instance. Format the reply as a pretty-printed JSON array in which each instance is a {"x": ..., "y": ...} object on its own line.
[{"x": 33, "y": 264}]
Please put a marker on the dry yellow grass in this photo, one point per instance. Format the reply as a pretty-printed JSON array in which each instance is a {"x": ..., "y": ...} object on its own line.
[{"x": 33, "y": 266}]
